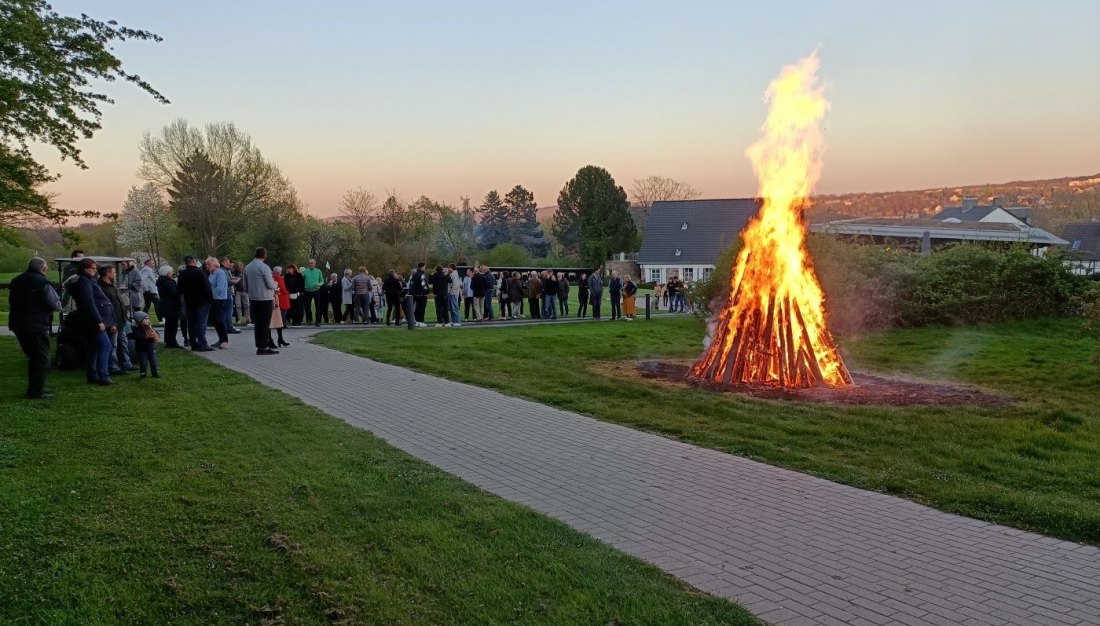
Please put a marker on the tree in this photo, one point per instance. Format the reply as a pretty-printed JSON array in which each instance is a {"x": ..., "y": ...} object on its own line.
[
  {"x": 244, "y": 184},
  {"x": 494, "y": 220},
  {"x": 147, "y": 226},
  {"x": 646, "y": 191},
  {"x": 47, "y": 65},
  {"x": 328, "y": 242},
  {"x": 593, "y": 215},
  {"x": 457, "y": 239},
  {"x": 359, "y": 207},
  {"x": 521, "y": 212},
  {"x": 506, "y": 255},
  {"x": 392, "y": 220}
]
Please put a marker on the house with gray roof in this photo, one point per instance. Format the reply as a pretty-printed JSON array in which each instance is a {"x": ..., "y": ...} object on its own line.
[
  {"x": 1083, "y": 247},
  {"x": 995, "y": 212},
  {"x": 683, "y": 238}
]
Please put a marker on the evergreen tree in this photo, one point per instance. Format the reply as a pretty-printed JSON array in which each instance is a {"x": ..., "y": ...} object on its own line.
[
  {"x": 523, "y": 223},
  {"x": 494, "y": 221},
  {"x": 593, "y": 216},
  {"x": 195, "y": 197}
]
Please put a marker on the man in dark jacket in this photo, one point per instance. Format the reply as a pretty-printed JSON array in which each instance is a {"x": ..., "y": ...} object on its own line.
[
  {"x": 194, "y": 286},
  {"x": 549, "y": 295},
  {"x": 563, "y": 294},
  {"x": 595, "y": 290},
  {"x": 95, "y": 321},
  {"x": 120, "y": 362},
  {"x": 418, "y": 289},
  {"x": 32, "y": 301},
  {"x": 615, "y": 289},
  {"x": 479, "y": 286},
  {"x": 441, "y": 284},
  {"x": 169, "y": 305},
  {"x": 392, "y": 288}
]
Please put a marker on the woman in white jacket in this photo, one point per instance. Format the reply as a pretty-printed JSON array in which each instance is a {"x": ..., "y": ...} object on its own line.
[{"x": 347, "y": 295}]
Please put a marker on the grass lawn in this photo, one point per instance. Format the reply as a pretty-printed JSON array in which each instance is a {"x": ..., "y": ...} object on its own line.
[
  {"x": 1031, "y": 465},
  {"x": 205, "y": 498}
]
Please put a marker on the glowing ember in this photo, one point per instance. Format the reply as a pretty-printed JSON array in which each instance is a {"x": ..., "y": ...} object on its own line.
[{"x": 772, "y": 330}]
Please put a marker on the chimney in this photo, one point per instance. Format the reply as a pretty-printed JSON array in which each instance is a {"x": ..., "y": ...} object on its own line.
[
  {"x": 998, "y": 201},
  {"x": 969, "y": 202}
]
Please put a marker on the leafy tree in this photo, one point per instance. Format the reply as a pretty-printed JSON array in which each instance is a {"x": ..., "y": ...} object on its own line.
[
  {"x": 457, "y": 239},
  {"x": 494, "y": 220},
  {"x": 242, "y": 184},
  {"x": 147, "y": 226},
  {"x": 328, "y": 242},
  {"x": 47, "y": 65},
  {"x": 645, "y": 191},
  {"x": 521, "y": 211},
  {"x": 593, "y": 216},
  {"x": 507, "y": 255}
]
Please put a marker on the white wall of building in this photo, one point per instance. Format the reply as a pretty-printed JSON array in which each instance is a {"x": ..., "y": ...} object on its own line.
[{"x": 652, "y": 272}]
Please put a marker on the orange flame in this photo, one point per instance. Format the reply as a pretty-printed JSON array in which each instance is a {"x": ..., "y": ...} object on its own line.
[{"x": 772, "y": 330}]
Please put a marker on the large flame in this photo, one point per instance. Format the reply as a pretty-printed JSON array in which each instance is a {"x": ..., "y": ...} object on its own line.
[{"x": 772, "y": 330}]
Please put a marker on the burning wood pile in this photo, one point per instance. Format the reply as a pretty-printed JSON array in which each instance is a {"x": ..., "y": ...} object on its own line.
[{"x": 772, "y": 330}]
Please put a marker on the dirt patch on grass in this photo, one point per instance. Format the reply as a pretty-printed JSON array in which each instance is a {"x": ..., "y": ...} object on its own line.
[{"x": 868, "y": 389}]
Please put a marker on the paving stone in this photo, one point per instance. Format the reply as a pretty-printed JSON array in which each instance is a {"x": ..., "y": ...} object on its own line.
[{"x": 707, "y": 515}]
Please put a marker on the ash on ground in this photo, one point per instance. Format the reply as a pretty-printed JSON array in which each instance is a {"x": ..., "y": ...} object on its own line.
[{"x": 868, "y": 389}]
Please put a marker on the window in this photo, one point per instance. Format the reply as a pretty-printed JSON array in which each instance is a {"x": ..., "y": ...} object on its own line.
[
  {"x": 677, "y": 252},
  {"x": 689, "y": 273},
  {"x": 684, "y": 226},
  {"x": 654, "y": 274},
  {"x": 671, "y": 272},
  {"x": 1076, "y": 244},
  {"x": 707, "y": 271}
]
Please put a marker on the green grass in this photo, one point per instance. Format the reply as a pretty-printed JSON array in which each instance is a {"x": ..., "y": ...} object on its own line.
[
  {"x": 1031, "y": 465},
  {"x": 205, "y": 498}
]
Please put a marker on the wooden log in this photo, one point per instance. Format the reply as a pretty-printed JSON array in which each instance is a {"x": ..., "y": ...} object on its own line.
[
  {"x": 815, "y": 367},
  {"x": 788, "y": 329}
]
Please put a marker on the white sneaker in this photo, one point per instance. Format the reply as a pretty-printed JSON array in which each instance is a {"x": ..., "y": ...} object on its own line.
[
  {"x": 456, "y": 325},
  {"x": 439, "y": 325}
]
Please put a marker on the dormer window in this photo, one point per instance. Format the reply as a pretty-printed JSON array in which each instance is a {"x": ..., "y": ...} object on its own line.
[
  {"x": 677, "y": 252},
  {"x": 1076, "y": 244},
  {"x": 684, "y": 226}
]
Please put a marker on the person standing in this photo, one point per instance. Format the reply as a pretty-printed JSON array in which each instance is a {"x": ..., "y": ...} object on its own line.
[
  {"x": 490, "y": 291},
  {"x": 312, "y": 281},
  {"x": 169, "y": 305},
  {"x": 582, "y": 296},
  {"x": 550, "y": 296},
  {"x": 280, "y": 320},
  {"x": 198, "y": 298},
  {"x": 534, "y": 296},
  {"x": 94, "y": 318},
  {"x": 150, "y": 294},
  {"x": 241, "y": 311},
  {"x": 563, "y": 294},
  {"x": 130, "y": 287},
  {"x": 468, "y": 293},
  {"x": 418, "y": 289},
  {"x": 615, "y": 289},
  {"x": 363, "y": 290},
  {"x": 226, "y": 267},
  {"x": 441, "y": 284},
  {"x": 31, "y": 303},
  {"x": 454, "y": 293},
  {"x": 630, "y": 290},
  {"x": 479, "y": 286},
  {"x": 261, "y": 296},
  {"x": 219, "y": 290},
  {"x": 392, "y": 288},
  {"x": 515, "y": 295},
  {"x": 119, "y": 360},
  {"x": 347, "y": 296},
  {"x": 296, "y": 288},
  {"x": 595, "y": 289}
]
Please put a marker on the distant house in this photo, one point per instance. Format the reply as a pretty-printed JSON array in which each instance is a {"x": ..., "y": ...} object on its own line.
[
  {"x": 1083, "y": 247},
  {"x": 683, "y": 238},
  {"x": 993, "y": 223}
]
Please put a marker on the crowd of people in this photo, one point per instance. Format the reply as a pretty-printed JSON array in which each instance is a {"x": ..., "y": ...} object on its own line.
[{"x": 108, "y": 328}]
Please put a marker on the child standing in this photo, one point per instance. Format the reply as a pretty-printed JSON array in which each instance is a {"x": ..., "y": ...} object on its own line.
[{"x": 145, "y": 343}]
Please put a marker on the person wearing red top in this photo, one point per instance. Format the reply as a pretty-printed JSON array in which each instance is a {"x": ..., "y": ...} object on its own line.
[{"x": 284, "y": 302}]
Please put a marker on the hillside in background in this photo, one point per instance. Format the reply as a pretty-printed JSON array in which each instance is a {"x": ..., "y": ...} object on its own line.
[{"x": 1054, "y": 202}]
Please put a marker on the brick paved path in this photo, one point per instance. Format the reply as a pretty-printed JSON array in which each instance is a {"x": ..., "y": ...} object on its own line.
[{"x": 792, "y": 548}]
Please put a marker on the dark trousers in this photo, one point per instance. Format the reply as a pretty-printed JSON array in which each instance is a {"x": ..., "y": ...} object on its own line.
[
  {"x": 147, "y": 355},
  {"x": 563, "y": 304},
  {"x": 37, "y": 348},
  {"x": 311, "y": 302},
  {"x": 442, "y": 310},
  {"x": 294, "y": 315},
  {"x": 360, "y": 307},
  {"x": 534, "y": 308},
  {"x": 421, "y": 306},
  {"x": 196, "y": 322},
  {"x": 469, "y": 307},
  {"x": 616, "y": 306},
  {"x": 152, "y": 302},
  {"x": 217, "y": 313},
  {"x": 171, "y": 325},
  {"x": 596, "y": 307},
  {"x": 582, "y": 306},
  {"x": 393, "y": 307},
  {"x": 261, "y": 320}
]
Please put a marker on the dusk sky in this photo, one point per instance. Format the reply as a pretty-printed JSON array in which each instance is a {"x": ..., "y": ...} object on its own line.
[{"x": 451, "y": 98}]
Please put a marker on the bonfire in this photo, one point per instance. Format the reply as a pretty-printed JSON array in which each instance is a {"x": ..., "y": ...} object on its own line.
[{"x": 772, "y": 330}]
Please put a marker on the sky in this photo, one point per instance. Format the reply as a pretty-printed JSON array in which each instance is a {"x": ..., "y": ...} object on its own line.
[{"x": 455, "y": 98}]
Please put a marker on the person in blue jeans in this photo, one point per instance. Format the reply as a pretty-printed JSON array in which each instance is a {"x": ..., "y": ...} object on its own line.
[
  {"x": 95, "y": 318},
  {"x": 197, "y": 296},
  {"x": 453, "y": 293}
]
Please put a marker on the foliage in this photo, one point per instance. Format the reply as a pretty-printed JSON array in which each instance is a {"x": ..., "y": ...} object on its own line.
[
  {"x": 493, "y": 224},
  {"x": 359, "y": 207},
  {"x": 48, "y": 64},
  {"x": 217, "y": 180},
  {"x": 645, "y": 191},
  {"x": 709, "y": 295},
  {"x": 279, "y": 229},
  {"x": 147, "y": 227},
  {"x": 206, "y": 498},
  {"x": 331, "y": 242},
  {"x": 524, "y": 228},
  {"x": 457, "y": 239},
  {"x": 879, "y": 287},
  {"x": 1029, "y": 464},
  {"x": 506, "y": 255},
  {"x": 593, "y": 216}
]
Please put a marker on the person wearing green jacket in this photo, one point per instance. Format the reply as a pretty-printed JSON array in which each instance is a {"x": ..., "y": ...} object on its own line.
[{"x": 315, "y": 279}]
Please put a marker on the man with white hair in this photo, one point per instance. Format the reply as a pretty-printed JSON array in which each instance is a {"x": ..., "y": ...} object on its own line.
[
  {"x": 32, "y": 301},
  {"x": 149, "y": 277},
  {"x": 219, "y": 290},
  {"x": 261, "y": 298}
]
